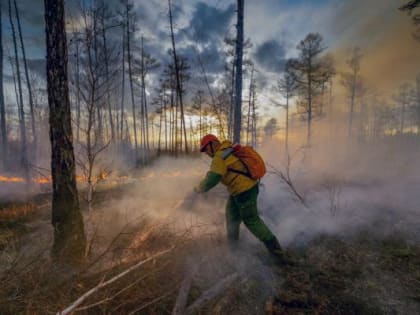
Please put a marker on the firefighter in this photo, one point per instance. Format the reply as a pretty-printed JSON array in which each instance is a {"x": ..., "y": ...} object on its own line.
[{"x": 243, "y": 190}]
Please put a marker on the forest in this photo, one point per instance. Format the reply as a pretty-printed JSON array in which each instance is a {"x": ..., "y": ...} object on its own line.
[{"x": 113, "y": 116}]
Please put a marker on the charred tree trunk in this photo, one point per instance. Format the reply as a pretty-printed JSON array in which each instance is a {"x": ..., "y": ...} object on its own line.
[
  {"x": 69, "y": 236},
  {"x": 238, "y": 80},
  {"x": 77, "y": 92},
  {"x": 2, "y": 107}
]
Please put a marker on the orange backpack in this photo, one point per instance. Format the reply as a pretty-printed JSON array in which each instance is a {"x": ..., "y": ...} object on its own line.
[{"x": 252, "y": 161}]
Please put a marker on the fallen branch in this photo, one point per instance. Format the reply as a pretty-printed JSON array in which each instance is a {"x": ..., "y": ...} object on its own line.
[
  {"x": 211, "y": 293},
  {"x": 181, "y": 300},
  {"x": 80, "y": 300},
  {"x": 110, "y": 298}
]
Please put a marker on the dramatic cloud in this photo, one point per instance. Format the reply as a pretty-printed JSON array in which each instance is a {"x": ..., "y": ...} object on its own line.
[
  {"x": 271, "y": 56},
  {"x": 391, "y": 55},
  {"x": 209, "y": 23}
]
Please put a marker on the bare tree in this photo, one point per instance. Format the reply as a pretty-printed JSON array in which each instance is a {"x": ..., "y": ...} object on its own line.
[
  {"x": 122, "y": 111},
  {"x": 28, "y": 81},
  {"x": 69, "y": 236},
  {"x": 130, "y": 28},
  {"x": 141, "y": 68},
  {"x": 251, "y": 91},
  {"x": 178, "y": 78},
  {"x": 22, "y": 126},
  {"x": 95, "y": 82},
  {"x": 230, "y": 67},
  {"x": 104, "y": 17}
]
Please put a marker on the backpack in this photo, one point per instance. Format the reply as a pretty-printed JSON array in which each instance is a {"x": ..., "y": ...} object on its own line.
[{"x": 253, "y": 162}]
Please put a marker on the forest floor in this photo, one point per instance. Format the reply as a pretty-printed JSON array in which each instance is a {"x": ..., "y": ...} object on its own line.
[{"x": 362, "y": 273}]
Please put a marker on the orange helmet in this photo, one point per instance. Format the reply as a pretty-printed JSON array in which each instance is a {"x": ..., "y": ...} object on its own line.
[{"x": 206, "y": 140}]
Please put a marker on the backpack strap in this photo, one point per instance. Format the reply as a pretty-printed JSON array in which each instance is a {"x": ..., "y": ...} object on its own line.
[{"x": 228, "y": 152}]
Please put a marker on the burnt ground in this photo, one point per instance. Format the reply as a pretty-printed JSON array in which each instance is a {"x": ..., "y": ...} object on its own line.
[{"x": 362, "y": 273}]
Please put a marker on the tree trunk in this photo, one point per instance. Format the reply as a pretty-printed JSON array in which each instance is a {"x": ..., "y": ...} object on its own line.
[
  {"x": 352, "y": 98},
  {"x": 232, "y": 102},
  {"x": 286, "y": 141},
  {"x": 144, "y": 114},
  {"x": 130, "y": 77},
  {"x": 108, "y": 94},
  {"x": 165, "y": 120},
  {"x": 308, "y": 136},
  {"x": 248, "y": 125},
  {"x": 122, "y": 87},
  {"x": 28, "y": 82},
  {"x": 254, "y": 120},
  {"x": 69, "y": 237},
  {"x": 2, "y": 107},
  {"x": 77, "y": 92},
  {"x": 22, "y": 127},
  {"x": 238, "y": 82},
  {"x": 178, "y": 79}
]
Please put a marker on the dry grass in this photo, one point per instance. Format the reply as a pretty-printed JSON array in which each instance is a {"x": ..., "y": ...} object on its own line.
[
  {"x": 360, "y": 275},
  {"x": 16, "y": 212}
]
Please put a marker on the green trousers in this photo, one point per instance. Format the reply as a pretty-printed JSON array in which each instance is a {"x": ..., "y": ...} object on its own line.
[{"x": 243, "y": 208}]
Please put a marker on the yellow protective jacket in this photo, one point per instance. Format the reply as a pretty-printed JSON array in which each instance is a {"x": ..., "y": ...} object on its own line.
[{"x": 235, "y": 183}]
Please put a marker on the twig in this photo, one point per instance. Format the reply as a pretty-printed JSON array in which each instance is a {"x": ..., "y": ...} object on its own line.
[
  {"x": 286, "y": 178},
  {"x": 82, "y": 308},
  {"x": 76, "y": 303}
]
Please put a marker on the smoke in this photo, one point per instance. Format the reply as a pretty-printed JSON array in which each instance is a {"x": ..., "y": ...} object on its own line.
[{"x": 349, "y": 186}]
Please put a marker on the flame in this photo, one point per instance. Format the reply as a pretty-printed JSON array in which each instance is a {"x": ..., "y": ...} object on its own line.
[
  {"x": 103, "y": 175},
  {"x": 42, "y": 180},
  {"x": 11, "y": 179}
]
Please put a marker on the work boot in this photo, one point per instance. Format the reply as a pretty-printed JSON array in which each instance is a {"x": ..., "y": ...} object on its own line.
[{"x": 278, "y": 254}]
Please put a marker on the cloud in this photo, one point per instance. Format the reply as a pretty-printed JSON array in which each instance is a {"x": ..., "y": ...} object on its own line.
[
  {"x": 271, "y": 55},
  {"x": 209, "y": 23}
]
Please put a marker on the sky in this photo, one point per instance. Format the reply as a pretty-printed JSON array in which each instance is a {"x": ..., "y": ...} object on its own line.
[{"x": 275, "y": 27}]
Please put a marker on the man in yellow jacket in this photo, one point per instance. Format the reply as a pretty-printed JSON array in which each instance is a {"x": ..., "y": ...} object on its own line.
[{"x": 243, "y": 190}]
